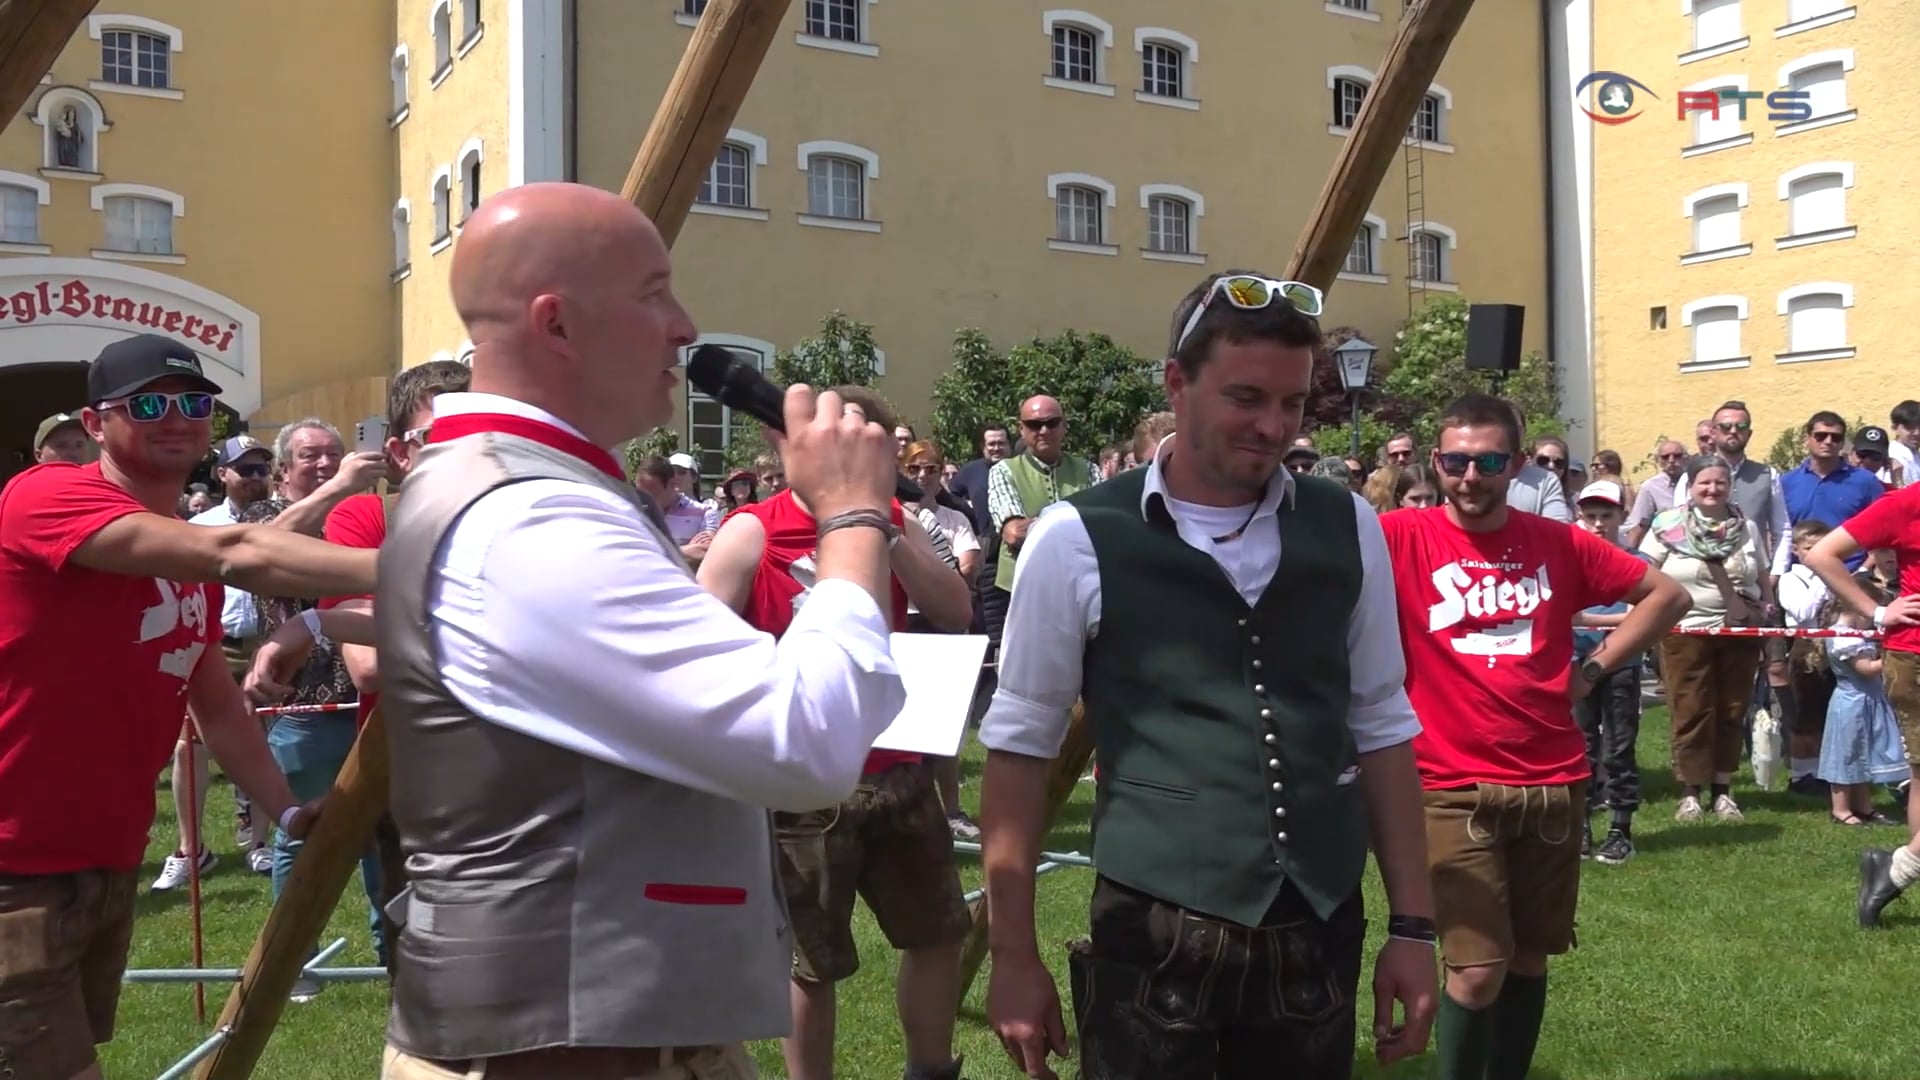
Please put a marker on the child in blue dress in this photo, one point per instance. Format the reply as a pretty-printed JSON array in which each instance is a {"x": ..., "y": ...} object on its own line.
[{"x": 1861, "y": 747}]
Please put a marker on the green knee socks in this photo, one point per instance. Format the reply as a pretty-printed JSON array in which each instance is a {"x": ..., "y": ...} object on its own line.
[
  {"x": 1517, "y": 1015},
  {"x": 1463, "y": 1040},
  {"x": 1494, "y": 1043}
]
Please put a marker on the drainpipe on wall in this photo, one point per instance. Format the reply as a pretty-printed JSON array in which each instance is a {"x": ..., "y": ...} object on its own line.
[
  {"x": 571, "y": 13},
  {"x": 1546, "y": 151}
]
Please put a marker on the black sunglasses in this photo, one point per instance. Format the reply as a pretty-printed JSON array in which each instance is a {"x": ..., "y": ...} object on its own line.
[
  {"x": 1045, "y": 423},
  {"x": 1490, "y": 463},
  {"x": 251, "y": 472},
  {"x": 1547, "y": 462},
  {"x": 1826, "y": 436}
]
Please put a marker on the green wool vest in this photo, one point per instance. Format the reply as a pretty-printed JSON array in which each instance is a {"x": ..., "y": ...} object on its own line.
[
  {"x": 1039, "y": 490},
  {"x": 1226, "y": 764}
]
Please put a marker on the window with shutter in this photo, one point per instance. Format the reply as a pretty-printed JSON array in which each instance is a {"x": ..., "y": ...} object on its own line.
[
  {"x": 1709, "y": 128},
  {"x": 1716, "y": 223},
  {"x": 1715, "y": 22},
  {"x": 1816, "y": 322},
  {"x": 1802, "y": 10},
  {"x": 1817, "y": 203},
  {"x": 1825, "y": 86},
  {"x": 1716, "y": 333}
]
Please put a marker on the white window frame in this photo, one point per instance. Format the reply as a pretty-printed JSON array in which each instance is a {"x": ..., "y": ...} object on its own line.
[
  {"x": 440, "y": 30},
  {"x": 766, "y": 350},
  {"x": 1688, "y": 315},
  {"x": 42, "y": 196},
  {"x": 100, "y": 24},
  {"x": 864, "y": 46},
  {"x": 1352, "y": 73},
  {"x": 756, "y": 148},
  {"x": 1188, "y": 51},
  {"x": 1375, "y": 229},
  {"x": 1741, "y": 136},
  {"x": 1698, "y": 51},
  {"x": 472, "y": 26},
  {"x": 1837, "y": 11},
  {"x": 1443, "y": 120},
  {"x": 1108, "y": 200},
  {"x": 399, "y": 70},
  {"x": 1196, "y": 209},
  {"x": 870, "y": 163},
  {"x": 50, "y": 104},
  {"x": 402, "y": 225},
  {"x": 1841, "y": 57},
  {"x": 1844, "y": 231},
  {"x": 1784, "y": 307},
  {"x": 472, "y": 152},
  {"x": 1102, "y": 31},
  {"x": 1449, "y": 274},
  {"x": 442, "y": 188},
  {"x": 1689, "y": 208},
  {"x": 97, "y": 198},
  {"x": 1364, "y": 10}
]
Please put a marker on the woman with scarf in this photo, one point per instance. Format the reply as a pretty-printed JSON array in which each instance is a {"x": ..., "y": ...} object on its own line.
[{"x": 1708, "y": 547}]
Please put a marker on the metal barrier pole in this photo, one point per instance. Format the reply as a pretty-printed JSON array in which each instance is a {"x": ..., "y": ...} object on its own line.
[
  {"x": 1066, "y": 858},
  {"x": 195, "y": 1056}
]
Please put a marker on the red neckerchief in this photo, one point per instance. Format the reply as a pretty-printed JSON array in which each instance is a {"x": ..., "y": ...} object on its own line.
[{"x": 449, "y": 428}]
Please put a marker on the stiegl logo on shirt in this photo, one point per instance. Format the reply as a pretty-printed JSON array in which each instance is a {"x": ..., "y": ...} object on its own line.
[
  {"x": 1489, "y": 595},
  {"x": 177, "y": 606}
]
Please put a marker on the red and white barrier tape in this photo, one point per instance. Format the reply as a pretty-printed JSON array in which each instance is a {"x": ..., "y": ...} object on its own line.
[
  {"x": 287, "y": 710},
  {"x": 1761, "y": 632}
]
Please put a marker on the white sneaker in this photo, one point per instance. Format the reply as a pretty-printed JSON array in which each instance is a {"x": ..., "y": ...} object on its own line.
[
  {"x": 1689, "y": 810},
  {"x": 175, "y": 872},
  {"x": 1726, "y": 809},
  {"x": 305, "y": 989},
  {"x": 260, "y": 860}
]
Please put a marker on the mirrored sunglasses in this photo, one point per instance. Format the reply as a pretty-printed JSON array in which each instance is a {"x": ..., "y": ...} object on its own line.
[
  {"x": 150, "y": 405},
  {"x": 1253, "y": 294}
]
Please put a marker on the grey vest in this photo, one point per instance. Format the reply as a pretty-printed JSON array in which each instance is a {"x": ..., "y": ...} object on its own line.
[
  {"x": 1753, "y": 494},
  {"x": 555, "y": 900}
]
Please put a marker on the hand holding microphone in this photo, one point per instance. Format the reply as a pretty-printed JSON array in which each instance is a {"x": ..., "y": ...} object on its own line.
[{"x": 737, "y": 384}]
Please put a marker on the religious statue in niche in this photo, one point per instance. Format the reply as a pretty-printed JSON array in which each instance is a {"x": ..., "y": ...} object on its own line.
[{"x": 68, "y": 137}]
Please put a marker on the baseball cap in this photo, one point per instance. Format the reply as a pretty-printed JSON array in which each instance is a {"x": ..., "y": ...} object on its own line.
[
  {"x": 1332, "y": 469},
  {"x": 683, "y": 461},
  {"x": 1605, "y": 491},
  {"x": 240, "y": 446},
  {"x": 1296, "y": 452},
  {"x": 52, "y": 424},
  {"x": 131, "y": 363},
  {"x": 1871, "y": 438}
]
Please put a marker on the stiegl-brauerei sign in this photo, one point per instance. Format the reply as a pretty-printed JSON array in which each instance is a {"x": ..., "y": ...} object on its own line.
[{"x": 69, "y": 300}]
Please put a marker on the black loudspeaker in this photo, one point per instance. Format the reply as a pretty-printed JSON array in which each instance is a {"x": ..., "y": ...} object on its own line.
[{"x": 1493, "y": 337}]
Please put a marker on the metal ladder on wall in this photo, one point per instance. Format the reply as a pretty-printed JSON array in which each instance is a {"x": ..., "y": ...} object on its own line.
[{"x": 1416, "y": 174}]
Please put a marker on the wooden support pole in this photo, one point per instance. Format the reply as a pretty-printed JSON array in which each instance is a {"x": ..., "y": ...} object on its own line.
[
  {"x": 32, "y": 33},
  {"x": 1413, "y": 59},
  {"x": 715, "y": 73},
  {"x": 1071, "y": 764},
  {"x": 320, "y": 875}
]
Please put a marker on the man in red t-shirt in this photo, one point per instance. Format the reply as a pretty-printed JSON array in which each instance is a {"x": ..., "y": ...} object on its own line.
[
  {"x": 1487, "y": 599},
  {"x": 1891, "y": 523},
  {"x": 94, "y": 554},
  {"x": 887, "y": 842}
]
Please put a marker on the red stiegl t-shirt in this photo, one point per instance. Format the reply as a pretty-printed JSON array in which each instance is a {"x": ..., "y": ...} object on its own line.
[
  {"x": 94, "y": 669},
  {"x": 360, "y": 521},
  {"x": 1893, "y": 521},
  {"x": 1487, "y": 623}
]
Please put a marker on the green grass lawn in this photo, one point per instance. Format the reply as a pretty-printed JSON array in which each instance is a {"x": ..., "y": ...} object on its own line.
[{"x": 1722, "y": 951}]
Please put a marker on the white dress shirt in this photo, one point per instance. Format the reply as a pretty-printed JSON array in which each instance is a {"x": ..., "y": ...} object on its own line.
[
  {"x": 1055, "y": 610},
  {"x": 559, "y": 611},
  {"x": 1800, "y": 593},
  {"x": 238, "y": 616},
  {"x": 1897, "y": 451}
]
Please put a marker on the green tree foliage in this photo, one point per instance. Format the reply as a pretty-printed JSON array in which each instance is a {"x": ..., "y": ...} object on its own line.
[
  {"x": 1789, "y": 449},
  {"x": 841, "y": 354},
  {"x": 1103, "y": 387},
  {"x": 661, "y": 441},
  {"x": 1429, "y": 369}
]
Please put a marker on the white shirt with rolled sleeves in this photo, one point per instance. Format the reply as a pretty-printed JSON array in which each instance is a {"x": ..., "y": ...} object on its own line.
[
  {"x": 238, "y": 616},
  {"x": 558, "y": 612},
  {"x": 1055, "y": 610}
]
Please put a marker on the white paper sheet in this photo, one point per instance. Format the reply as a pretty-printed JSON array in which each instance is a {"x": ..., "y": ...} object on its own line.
[{"x": 939, "y": 672}]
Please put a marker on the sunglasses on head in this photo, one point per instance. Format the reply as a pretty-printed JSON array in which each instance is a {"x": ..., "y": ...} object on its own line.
[
  {"x": 148, "y": 406},
  {"x": 1044, "y": 423},
  {"x": 1490, "y": 463},
  {"x": 1253, "y": 294}
]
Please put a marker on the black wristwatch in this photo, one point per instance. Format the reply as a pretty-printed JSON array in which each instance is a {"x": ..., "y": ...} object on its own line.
[{"x": 1593, "y": 671}]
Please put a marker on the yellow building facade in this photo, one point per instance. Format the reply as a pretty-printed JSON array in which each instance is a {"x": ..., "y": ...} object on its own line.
[
  {"x": 1765, "y": 257},
  {"x": 171, "y": 175}
]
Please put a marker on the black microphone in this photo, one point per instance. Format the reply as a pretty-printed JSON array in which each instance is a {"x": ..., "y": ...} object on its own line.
[{"x": 722, "y": 375}]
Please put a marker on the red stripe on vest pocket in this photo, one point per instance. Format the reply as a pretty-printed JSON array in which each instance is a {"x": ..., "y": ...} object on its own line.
[{"x": 704, "y": 895}]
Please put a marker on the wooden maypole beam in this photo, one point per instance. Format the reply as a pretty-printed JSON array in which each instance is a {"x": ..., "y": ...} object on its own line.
[
  {"x": 715, "y": 73},
  {"x": 32, "y": 33},
  {"x": 1413, "y": 59}
]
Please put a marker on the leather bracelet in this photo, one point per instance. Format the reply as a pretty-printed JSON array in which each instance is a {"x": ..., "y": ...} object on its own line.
[
  {"x": 861, "y": 519},
  {"x": 1413, "y": 928}
]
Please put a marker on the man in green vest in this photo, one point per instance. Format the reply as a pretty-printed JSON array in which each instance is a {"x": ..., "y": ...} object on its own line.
[
  {"x": 1231, "y": 630},
  {"x": 1019, "y": 487}
]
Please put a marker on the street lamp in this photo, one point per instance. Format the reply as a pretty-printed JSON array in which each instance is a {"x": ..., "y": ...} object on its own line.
[{"x": 1355, "y": 357}]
